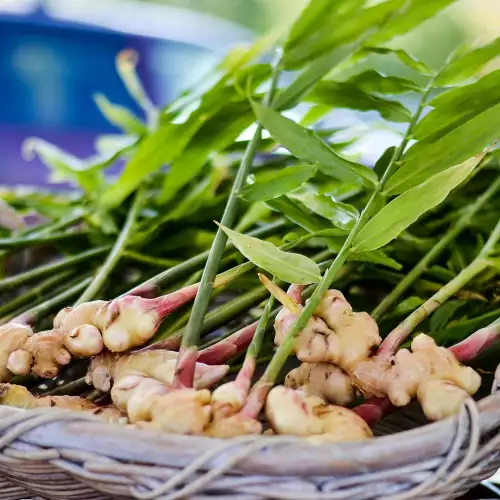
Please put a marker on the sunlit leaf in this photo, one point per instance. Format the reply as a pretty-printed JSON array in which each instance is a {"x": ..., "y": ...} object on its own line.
[
  {"x": 456, "y": 106},
  {"x": 120, "y": 116},
  {"x": 304, "y": 144},
  {"x": 468, "y": 65},
  {"x": 414, "y": 13},
  {"x": 277, "y": 183},
  {"x": 347, "y": 95},
  {"x": 340, "y": 31},
  {"x": 404, "y": 210},
  {"x": 401, "y": 54},
  {"x": 340, "y": 214},
  {"x": 290, "y": 267},
  {"x": 375, "y": 257},
  {"x": 424, "y": 159},
  {"x": 373, "y": 82}
]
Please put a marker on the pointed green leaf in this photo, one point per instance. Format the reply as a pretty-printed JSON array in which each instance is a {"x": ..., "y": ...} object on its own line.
[
  {"x": 317, "y": 13},
  {"x": 277, "y": 183},
  {"x": 342, "y": 30},
  {"x": 423, "y": 159},
  {"x": 469, "y": 64},
  {"x": 290, "y": 267},
  {"x": 456, "y": 106},
  {"x": 304, "y": 144},
  {"x": 414, "y": 13},
  {"x": 347, "y": 95},
  {"x": 384, "y": 161},
  {"x": 401, "y": 54},
  {"x": 375, "y": 257},
  {"x": 373, "y": 82},
  {"x": 120, "y": 116},
  {"x": 215, "y": 135},
  {"x": 66, "y": 167},
  {"x": 289, "y": 96},
  {"x": 340, "y": 214},
  {"x": 404, "y": 210}
]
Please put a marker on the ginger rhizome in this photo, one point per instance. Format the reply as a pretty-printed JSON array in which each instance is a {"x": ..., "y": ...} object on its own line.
[{"x": 336, "y": 348}]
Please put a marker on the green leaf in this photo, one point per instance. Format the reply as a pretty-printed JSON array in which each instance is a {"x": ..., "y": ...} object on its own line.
[
  {"x": 347, "y": 95},
  {"x": 384, "y": 161},
  {"x": 290, "y": 267},
  {"x": 120, "y": 116},
  {"x": 401, "y": 54},
  {"x": 304, "y": 144},
  {"x": 376, "y": 257},
  {"x": 406, "y": 307},
  {"x": 342, "y": 30},
  {"x": 289, "y": 96},
  {"x": 414, "y": 13},
  {"x": 66, "y": 167},
  {"x": 404, "y": 210},
  {"x": 297, "y": 215},
  {"x": 444, "y": 314},
  {"x": 373, "y": 82},
  {"x": 215, "y": 135},
  {"x": 425, "y": 159},
  {"x": 317, "y": 13},
  {"x": 257, "y": 212},
  {"x": 456, "y": 106},
  {"x": 340, "y": 214},
  {"x": 469, "y": 64},
  {"x": 156, "y": 150},
  {"x": 277, "y": 183}
]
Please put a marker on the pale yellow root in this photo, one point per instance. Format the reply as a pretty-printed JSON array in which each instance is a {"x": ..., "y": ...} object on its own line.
[
  {"x": 12, "y": 337},
  {"x": 334, "y": 334},
  {"x": 324, "y": 380},
  {"x": 299, "y": 414},
  {"x": 43, "y": 353},
  {"x": 401, "y": 377},
  {"x": 19, "y": 397},
  {"x": 125, "y": 323}
]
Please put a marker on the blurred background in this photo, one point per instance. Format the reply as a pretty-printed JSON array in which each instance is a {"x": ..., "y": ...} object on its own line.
[{"x": 55, "y": 54}]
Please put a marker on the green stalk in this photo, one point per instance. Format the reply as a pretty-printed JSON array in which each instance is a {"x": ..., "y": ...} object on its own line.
[
  {"x": 403, "y": 330},
  {"x": 42, "y": 239},
  {"x": 149, "y": 259},
  {"x": 34, "y": 293},
  {"x": 435, "y": 251},
  {"x": 49, "y": 269},
  {"x": 285, "y": 349},
  {"x": 196, "y": 262},
  {"x": 254, "y": 347},
  {"x": 114, "y": 256},
  {"x": 32, "y": 315},
  {"x": 200, "y": 306}
]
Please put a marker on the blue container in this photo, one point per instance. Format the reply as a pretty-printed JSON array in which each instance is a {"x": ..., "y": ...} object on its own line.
[{"x": 51, "y": 63}]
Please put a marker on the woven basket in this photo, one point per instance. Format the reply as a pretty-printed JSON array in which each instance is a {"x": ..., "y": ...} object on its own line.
[{"x": 58, "y": 454}]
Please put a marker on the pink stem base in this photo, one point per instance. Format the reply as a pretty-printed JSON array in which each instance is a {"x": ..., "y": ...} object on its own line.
[{"x": 184, "y": 371}]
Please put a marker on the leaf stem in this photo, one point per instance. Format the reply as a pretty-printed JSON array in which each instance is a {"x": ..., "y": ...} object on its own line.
[
  {"x": 190, "y": 339},
  {"x": 34, "y": 293},
  {"x": 49, "y": 269},
  {"x": 42, "y": 239},
  {"x": 285, "y": 349},
  {"x": 32, "y": 315},
  {"x": 434, "y": 252},
  {"x": 390, "y": 344},
  {"x": 116, "y": 253},
  {"x": 196, "y": 262}
]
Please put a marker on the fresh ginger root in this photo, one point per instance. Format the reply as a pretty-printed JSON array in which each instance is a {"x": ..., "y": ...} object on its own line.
[
  {"x": 324, "y": 380},
  {"x": 19, "y": 397},
  {"x": 43, "y": 353},
  {"x": 294, "y": 412},
  {"x": 408, "y": 374},
  {"x": 158, "y": 364},
  {"x": 334, "y": 334},
  {"x": 12, "y": 337}
]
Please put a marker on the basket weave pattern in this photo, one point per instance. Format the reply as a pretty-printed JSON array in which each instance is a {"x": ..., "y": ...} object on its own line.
[{"x": 58, "y": 454}]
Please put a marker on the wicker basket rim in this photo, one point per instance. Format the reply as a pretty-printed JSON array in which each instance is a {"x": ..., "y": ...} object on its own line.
[{"x": 271, "y": 455}]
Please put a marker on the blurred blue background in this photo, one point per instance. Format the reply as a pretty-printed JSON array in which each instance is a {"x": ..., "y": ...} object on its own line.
[{"x": 55, "y": 54}]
